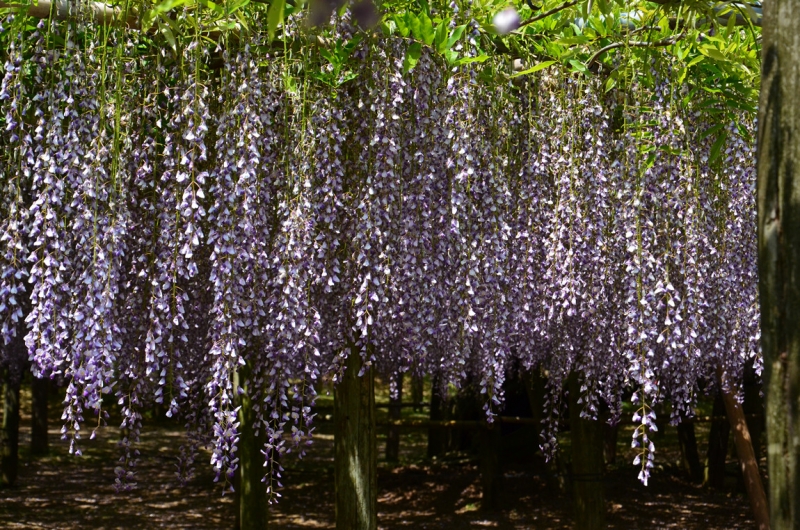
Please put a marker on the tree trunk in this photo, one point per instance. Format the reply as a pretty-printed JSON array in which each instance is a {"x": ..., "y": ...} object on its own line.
[
  {"x": 437, "y": 437},
  {"x": 393, "y": 436},
  {"x": 717, "y": 446},
  {"x": 355, "y": 462},
  {"x": 251, "y": 494},
  {"x": 39, "y": 391},
  {"x": 9, "y": 460},
  {"x": 690, "y": 457},
  {"x": 491, "y": 475},
  {"x": 779, "y": 254},
  {"x": 747, "y": 459},
  {"x": 587, "y": 464}
]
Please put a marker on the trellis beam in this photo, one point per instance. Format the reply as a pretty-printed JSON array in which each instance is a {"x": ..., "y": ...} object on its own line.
[{"x": 64, "y": 9}]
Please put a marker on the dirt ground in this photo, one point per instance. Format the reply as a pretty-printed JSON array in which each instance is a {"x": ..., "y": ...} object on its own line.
[{"x": 64, "y": 492}]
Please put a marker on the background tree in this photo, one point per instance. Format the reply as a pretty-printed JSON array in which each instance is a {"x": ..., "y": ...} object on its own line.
[{"x": 779, "y": 255}]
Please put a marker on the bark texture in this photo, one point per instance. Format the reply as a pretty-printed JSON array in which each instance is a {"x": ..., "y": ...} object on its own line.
[
  {"x": 779, "y": 254},
  {"x": 355, "y": 463}
]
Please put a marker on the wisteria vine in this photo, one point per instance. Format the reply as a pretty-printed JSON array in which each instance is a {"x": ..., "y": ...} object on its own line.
[{"x": 187, "y": 226}]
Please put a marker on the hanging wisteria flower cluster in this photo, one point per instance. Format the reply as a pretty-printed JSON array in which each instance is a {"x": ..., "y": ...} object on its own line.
[{"x": 186, "y": 226}]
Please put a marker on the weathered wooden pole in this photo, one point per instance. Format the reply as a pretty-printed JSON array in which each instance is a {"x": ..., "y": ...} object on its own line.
[
  {"x": 251, "y": 494},
  {"x": 437, "y": 437},
  {"x": 39, "y": 392},
  {"x": 588, "y": 464},
  {"x": 718, "y": 437},
  {"x": 490, "y": 466},
  {"x": 690, "y": 457},
  {"x": 779, "y": 254},
  {"x": 355, "y": 450},
  {"x": 395, "y": 413},
  {"x": 100, "y": 12},
  {"x": 9, "y": 436}
]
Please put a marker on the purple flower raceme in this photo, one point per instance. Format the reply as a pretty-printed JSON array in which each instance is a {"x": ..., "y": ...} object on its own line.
[{"x": 427, "y": 221}]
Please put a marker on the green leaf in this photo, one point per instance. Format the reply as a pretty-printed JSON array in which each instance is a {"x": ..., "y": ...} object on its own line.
[
  {"x": 412, "y": 21},
  {"x": 275, "y": 17},
  {"x": 426, "y": 29},
  {"x": 412, "y": 57},
  {"x": 716, "y": 149},
  {"x": 388, "y": 27},
  {"x": 577, "y": 39},
  {"x": 695, "y": 60},
  {"x": 536, "y": 68},
  {"x": 440, "y": 37},
  {"x": 152, "y": 14},
  {"x": 469, "y": 60},
  {"x": 165, "y": 30},
  {"x": 713, "y": 53},
  {"x": 348, "y": 48},
  {"x": 402, "y": 25},
  {"x": 456, "y": 34},
  {"x": 711, "y": 130},
  {"x": 578, "y": 66}
]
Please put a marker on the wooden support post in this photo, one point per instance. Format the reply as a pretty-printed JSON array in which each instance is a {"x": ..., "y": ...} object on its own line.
[
  {"x": 393, "y": 434},
  {"x": 717, "y": 448},
  {"x": 417, "y": 391},
  {"x": 437, "y": 436},
  {"x": 39, "y": 392},
  {"x": 490, "y": 466},
  {"x": 251, "y": 493},
  {"x": 9, "y": 437},
  {"x": 100, "y": 13},
  {"x": 355, "y": 460},
  {"x": 587, "y": 464},
  {"x": 747, "y": 458},
  {"x": 690, "y": 457}
]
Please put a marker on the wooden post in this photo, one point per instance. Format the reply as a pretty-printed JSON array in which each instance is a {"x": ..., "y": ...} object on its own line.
[
  {"x": 610, "y": 436},
  {"x": 690, "y": 458},
  {"x": 9, "y": 459},
  {"x": 436, "y": 435},
  {"x": 717, "y": 447},
  {"x": 491, "y": 475},
  {"x": 395, "y": 412},
  {"x": 587, "y": 464},
  {"x": 355, "y": 461},
  {"x": 39, "y": 391},
  {"x": 747, "y": 458},
  {"x": 417, "y": 391},
  {"x": 251, "y": 493},
  {"x": 100, "y": 12}
]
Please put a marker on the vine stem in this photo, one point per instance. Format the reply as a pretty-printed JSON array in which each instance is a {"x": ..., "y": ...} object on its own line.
[{"x": 634, "y": 43}]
